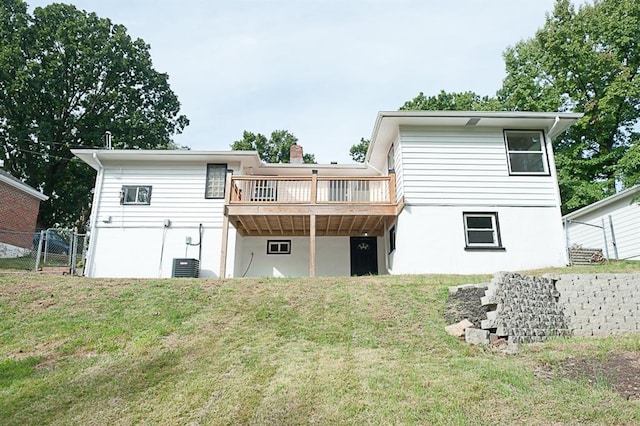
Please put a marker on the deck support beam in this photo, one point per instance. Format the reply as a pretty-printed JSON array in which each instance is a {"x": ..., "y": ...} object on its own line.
[{"x": 312, "y": 246}]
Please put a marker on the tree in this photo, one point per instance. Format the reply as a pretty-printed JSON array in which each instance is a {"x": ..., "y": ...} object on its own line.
[
  {"x": 444, "y": 101},
  {"x": 585, "y": 60},
  {"x": 358, "y": 151},
  {"x": 276, "y": 149},
  {"x": 462, "y": 101},
  {"x": 67, "y": 77}
]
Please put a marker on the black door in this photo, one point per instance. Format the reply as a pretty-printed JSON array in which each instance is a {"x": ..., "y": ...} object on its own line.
[{"x": 364, "y": 256}]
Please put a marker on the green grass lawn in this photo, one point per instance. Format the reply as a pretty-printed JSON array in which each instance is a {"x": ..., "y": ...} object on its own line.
[
  {"x": 368, "y": 350},
  {"x": 19, "y": 263},
  {"x": 28, "y": 263}
]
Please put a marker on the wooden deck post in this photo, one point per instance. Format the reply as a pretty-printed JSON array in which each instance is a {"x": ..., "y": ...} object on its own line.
[
  {"x": 225, "y": 226},
  {"x": 312, "y": 246},
  {"x": 312, "y": 225},
  {"x": 314, "y": 186},
  {"x": 392, "y": 186}
]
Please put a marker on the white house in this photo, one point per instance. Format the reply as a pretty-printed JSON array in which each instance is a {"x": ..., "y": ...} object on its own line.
[
  {"x": 611, "y": 224},
  {"x": 439, "y": 192}
]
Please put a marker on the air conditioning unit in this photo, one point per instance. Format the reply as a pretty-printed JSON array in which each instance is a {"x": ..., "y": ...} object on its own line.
[{"x": 185, "y": 268}]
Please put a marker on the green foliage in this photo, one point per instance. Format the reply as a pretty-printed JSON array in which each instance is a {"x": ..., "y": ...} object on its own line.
[
  {"x": 67, "y": 77},
  {"x": 585, "y": 60},
  {"x": 462, "y": 101},
  {"x": 358, "y": 151},
  {"x": 629, "y": 164},
  {"x": 275, "y": 149}
]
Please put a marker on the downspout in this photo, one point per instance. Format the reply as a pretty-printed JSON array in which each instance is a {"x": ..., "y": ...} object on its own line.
[
  {"x": 555, "y": 123},
  {"x": 94, "y": 215},
  {"x": 554, "y": 173}
]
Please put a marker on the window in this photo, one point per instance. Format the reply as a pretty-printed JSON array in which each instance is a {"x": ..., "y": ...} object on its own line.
[
  {"x": 391, "y": 164},
  {"x": 526, "y": 152},
  {"x": 131, "y": 194},
  {"x": 278, "y": 246},
  {"x": 392, "y": 239},
  {"x": 216, "y": 180},
  {"x": 481, "y": 230}
]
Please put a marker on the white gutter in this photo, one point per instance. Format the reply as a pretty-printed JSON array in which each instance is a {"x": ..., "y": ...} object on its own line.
[
  {"x": 94, "y": 214},
  {"x": 375, "y": 168}
]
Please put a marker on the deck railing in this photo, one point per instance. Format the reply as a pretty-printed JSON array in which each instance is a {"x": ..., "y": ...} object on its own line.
[{"x": 312, "y": 190}]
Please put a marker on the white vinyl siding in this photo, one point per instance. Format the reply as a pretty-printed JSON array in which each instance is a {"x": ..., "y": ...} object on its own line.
[
  {"x": 625, "y": 216},
  {"x": 466, "y": 166},
  {"x": 178, "y": 195},
  {"x": 397, "y": 166}
]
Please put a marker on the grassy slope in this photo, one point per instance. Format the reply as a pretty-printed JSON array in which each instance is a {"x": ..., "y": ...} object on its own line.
[{"x": 272, "y": 351}]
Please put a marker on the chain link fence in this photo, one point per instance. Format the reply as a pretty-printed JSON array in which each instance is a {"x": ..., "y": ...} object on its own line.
[{"x": 60, "y": 249}]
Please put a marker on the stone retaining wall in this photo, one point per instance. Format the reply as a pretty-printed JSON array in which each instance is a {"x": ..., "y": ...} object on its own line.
[
  {"x": 600, "y": 304},
  {"x": 526, "y": 309}
]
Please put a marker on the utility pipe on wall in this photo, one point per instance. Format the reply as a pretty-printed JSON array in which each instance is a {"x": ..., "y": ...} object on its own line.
[{"x": 613, "y": 239}]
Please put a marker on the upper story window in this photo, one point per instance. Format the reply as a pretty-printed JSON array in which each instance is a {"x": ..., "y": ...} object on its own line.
[
  {"x": 391, "y": 164},
  {"x": 526, "y": 152},
  {"x": 135, "y": 194},
  {"x": 216, "y": 180}
]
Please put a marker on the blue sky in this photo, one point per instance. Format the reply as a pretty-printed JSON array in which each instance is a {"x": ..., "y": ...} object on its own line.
[{"x": 321, "y": 69}]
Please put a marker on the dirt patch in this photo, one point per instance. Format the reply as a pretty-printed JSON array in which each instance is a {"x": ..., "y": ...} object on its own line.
[
  {"x": 621, "y": 371},
  {"x": 465, "y": 303}
]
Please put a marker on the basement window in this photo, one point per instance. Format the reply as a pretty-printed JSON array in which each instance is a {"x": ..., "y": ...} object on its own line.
[
  {"x": 526, "y": 152},
  {"x": 392, "y": 239},
  {"x": 482, "y": 231},
  {"x": 278, "y": 246},
  {"x": 135, "y": 194}
]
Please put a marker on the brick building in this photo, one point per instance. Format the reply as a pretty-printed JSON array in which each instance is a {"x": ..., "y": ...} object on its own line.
[{"x": 19, "y": 207}]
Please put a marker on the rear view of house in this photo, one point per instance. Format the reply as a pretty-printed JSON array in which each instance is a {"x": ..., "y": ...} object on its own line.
[{"x": 439, "y": 192}]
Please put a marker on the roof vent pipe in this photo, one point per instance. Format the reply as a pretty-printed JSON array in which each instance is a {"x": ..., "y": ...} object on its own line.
[{"x": 107, "y": 139}]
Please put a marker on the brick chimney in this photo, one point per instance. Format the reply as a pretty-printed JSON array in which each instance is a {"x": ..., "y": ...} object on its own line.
[{"x": 295, "y": 154}]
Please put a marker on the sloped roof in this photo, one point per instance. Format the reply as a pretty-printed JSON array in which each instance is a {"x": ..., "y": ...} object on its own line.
[
  {"x": 249, "y": 159},
  {"x": 18, "y": 184},
  {"x": 388, "y": 123},
  {"x": 604, "y": 202}
]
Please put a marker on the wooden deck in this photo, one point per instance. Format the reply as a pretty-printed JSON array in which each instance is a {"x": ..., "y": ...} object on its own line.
[
  {"x": 310, "y": 206},
  {"x": 283, "y": 206}
]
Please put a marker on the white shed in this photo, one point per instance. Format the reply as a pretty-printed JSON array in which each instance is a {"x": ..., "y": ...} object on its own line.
[{"x": 611, "y": 224}]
